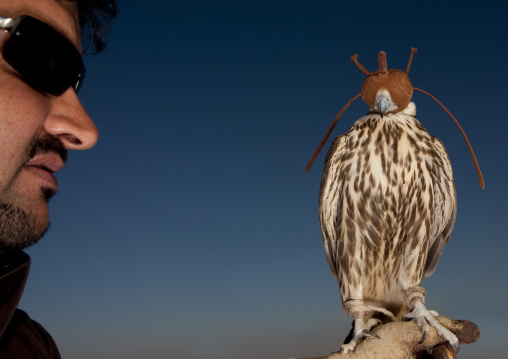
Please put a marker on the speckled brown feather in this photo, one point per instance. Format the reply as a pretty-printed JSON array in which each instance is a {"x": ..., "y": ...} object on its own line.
[{"x": 387, "y": 206}]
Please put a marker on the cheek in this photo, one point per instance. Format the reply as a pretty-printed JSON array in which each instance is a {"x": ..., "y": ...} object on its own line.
[
  {"x": 22, "y": 115},
  {"x": 21, "y": 107}
]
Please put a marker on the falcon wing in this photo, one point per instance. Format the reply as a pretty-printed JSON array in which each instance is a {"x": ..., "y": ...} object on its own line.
[
  {"x": 445, "y": 206},
  {"x": 331, "y": 189}
]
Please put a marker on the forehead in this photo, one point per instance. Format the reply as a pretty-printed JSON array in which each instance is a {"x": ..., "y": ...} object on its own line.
[{"x": 60, "y": 14}]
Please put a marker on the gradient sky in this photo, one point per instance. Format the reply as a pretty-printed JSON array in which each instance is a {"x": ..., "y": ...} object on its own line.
[{"x": 191, "y": 229}]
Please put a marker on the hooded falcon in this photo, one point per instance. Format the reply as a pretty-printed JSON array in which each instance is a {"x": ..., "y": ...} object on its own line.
[{"x": 387, "y": 207}]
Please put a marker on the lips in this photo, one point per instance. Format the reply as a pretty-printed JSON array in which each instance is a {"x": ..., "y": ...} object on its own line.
[{"x": 44, "y": 165}]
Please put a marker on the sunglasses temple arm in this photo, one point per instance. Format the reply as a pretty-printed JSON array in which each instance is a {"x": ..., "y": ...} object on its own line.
[{"x": 7, "y": 24}]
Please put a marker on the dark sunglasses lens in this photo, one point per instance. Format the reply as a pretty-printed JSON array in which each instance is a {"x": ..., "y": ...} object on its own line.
[{"x": 44, "y": 57}]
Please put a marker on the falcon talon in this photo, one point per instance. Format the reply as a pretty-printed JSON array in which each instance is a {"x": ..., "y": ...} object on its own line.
[
  {"x": 409, "y": 317},
  {"x": 368, "y": 333},
  {"x": 387, "y": 205},
  {"x": 424, "y": 337}
]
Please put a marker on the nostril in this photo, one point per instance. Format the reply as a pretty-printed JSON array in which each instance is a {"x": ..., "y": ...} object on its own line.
[{"x": 67, "y": 137}]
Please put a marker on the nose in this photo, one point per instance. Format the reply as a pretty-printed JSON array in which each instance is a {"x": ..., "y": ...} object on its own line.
[{"x": 69, "y": 122}]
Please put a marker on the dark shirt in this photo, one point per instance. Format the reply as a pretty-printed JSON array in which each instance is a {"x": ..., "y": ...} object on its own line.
[{"x": 20, "y": 336}]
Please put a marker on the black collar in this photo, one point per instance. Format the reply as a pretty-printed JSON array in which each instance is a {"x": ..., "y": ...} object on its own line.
[{"x": 14, "y": 269}]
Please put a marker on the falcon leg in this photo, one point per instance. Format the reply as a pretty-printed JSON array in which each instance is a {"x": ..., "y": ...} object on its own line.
[
  {"x": 361, "y": 329},
  {"x": 415, "y": 298}
]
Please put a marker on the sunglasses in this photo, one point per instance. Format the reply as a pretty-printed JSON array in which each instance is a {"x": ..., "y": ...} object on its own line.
[{"x": 45, "y": 59}]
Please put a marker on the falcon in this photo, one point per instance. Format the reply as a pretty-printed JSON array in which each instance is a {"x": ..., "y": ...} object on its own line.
[{"x": 387, "y": 207}]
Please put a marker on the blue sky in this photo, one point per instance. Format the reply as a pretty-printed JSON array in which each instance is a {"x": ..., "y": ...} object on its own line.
[{"x": 191, "y": 228}]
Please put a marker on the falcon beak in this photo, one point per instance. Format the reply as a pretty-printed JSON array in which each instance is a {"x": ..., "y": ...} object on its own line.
[{"x": 384, "y": 102}]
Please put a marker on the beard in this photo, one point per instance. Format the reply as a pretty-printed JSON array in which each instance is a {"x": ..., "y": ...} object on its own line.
[{"x": 19, "y": 228}]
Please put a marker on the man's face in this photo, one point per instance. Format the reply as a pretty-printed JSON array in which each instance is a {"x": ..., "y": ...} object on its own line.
[{"x": 35, "y": 131}]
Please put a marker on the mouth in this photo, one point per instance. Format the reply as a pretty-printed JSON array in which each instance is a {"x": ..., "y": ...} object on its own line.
[{"x": 43, "y": 166}]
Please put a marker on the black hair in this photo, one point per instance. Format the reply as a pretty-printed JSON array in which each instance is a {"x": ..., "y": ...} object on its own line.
[{"x": 95, "y": 18}]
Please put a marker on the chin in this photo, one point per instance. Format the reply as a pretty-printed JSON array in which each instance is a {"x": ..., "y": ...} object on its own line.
[{"x": 20, "y": 227}]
